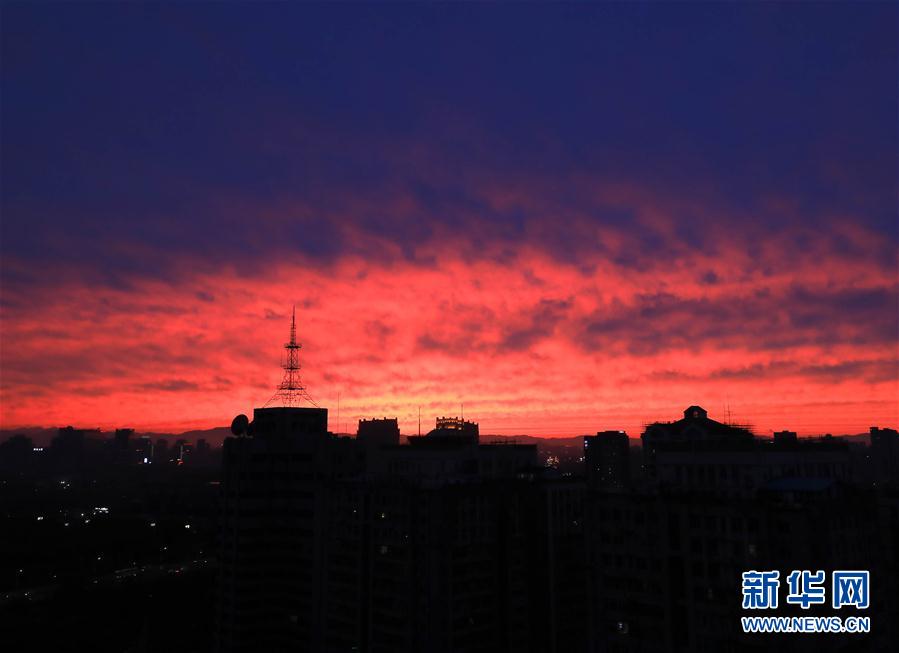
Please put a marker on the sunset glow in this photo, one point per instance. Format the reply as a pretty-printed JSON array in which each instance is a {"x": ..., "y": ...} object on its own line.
[
  {"x": 543, "y": 272},
  {"x": 530, "y": 342}
]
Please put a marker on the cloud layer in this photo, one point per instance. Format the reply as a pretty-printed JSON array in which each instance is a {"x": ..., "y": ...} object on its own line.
[
  {"x": 601, "y": 326},
  {"x": 586, "y": 222}
]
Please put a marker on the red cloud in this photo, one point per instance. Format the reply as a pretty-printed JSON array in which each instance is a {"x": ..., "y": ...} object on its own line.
[{"x": 528, "y": 344}]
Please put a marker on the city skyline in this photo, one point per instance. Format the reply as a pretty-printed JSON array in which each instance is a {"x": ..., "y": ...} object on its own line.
[{"x": 582, "y": 224}]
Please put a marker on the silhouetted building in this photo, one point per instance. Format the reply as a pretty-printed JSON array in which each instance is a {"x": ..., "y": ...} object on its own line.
[
  {"x": 448, "y": 545},
  {"x": 272, "y": 537},
  {"x": 183, "y": 451},
  {"x": 785, "y": 437},
  {"x": 441, "y": 545},
  {"x": 143, "y": 449},
  {"x": 68, "y": 450},
  {"x": 885, "y": 454},
  {"x": 666, "y": 569},
  {"x": 16, "y": 453},
  {"x": 161, "y": 451},
  {"x": 698, "y": 454},
  {"x": 695, "y": 432},
  {"x": 122, "y": 438},
  {"x": 415, "y": 567},
  {"x": 121, "y": 447},
  {"x": 202, "y": 454},
  {"x": 666, "y": 558},
  {"x": 607, "y": 459},
  {"x": 441, "y": 458},
  {"x": 454, "y": 428},
  {"x": 378, "y": 432}
]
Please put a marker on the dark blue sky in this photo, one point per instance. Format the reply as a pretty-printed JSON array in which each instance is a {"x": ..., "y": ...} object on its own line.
[{"x": 122, "y": 121}]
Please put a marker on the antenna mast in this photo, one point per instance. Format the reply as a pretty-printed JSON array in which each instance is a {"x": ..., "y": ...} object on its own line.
[{"x": 291, "y": 392}]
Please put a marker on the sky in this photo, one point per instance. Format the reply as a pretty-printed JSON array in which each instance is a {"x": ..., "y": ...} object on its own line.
[{"x": 568, "y": 218}]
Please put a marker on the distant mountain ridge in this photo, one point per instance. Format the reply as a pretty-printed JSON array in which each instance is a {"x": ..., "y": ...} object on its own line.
[{"x": 42, "y": 436}]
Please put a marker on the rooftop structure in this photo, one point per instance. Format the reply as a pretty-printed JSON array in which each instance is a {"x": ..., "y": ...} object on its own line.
[{"x": 291, "y": 392}]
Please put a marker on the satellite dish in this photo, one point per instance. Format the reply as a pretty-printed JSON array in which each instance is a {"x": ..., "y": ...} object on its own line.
[{"x": 239, "y": 425}]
